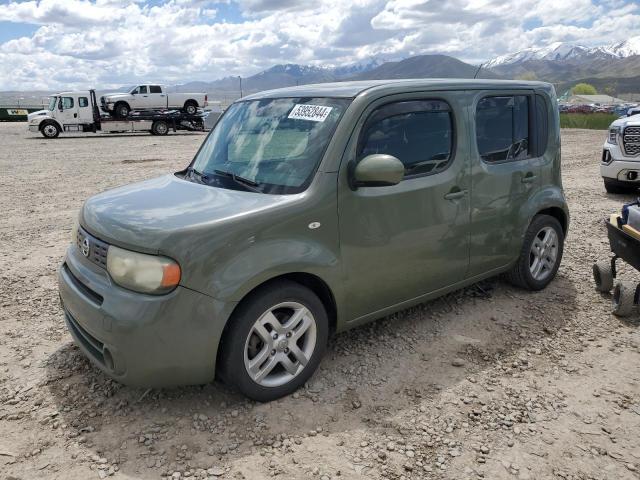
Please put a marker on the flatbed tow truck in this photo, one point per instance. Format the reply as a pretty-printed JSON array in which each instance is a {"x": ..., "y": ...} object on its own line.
[{"x": 80, "y": 112}]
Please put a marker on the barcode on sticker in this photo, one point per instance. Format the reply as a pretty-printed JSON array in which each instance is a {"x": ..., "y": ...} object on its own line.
[{"x": 315, "y": 113}]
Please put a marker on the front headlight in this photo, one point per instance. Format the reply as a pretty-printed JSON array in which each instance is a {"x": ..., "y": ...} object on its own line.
[
  {"x": 142, "y": 273},
  {"x": 613, "y": 135}
]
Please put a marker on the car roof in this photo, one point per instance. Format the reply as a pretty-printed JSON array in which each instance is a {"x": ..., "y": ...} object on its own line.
[{"x": 354, "y": 88}]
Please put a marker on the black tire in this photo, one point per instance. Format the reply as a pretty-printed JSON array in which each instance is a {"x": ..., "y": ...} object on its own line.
[
  {"x": 521, "y": 275},
  {"x": 623, "y": 299},
  {"x": 49, "y": 129},
  {"x": 190, "y": 107},
  {"x": 618, "y": 187},
  {"x": 238, "y": 336},
  {"x": 603, "y": 276},
  {"x": 121, "y": 110},
  {"x": 160, "y": 127}
]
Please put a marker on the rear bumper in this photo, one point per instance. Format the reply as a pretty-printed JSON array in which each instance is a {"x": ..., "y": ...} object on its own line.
[{"x": 137, "y": 339}]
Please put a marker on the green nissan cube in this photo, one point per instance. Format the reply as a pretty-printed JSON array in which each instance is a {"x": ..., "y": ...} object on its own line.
[{"x": 308, "y": 211}]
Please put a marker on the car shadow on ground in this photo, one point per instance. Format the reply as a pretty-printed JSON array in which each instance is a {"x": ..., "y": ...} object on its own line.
[{"x": 369, "y": 377}]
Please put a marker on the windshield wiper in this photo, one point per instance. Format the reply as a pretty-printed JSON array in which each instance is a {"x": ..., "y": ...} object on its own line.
[{"x": 245, "y": 182}]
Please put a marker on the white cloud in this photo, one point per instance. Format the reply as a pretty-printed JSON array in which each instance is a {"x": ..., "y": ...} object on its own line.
[{"x": 106, "y": 43}]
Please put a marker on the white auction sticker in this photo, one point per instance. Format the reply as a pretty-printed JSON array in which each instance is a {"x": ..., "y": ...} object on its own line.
[{"x": 315, "y": 113}]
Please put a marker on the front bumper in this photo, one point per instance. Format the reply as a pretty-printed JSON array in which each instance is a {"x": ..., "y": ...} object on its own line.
[
  {"x": 138, "y": 339},
  {"x": 34, "y": 128},
  {"x": 617, "y": 166}
]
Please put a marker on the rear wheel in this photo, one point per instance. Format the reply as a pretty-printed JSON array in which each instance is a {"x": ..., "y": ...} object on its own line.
[
  {"x": 160, "y": 127},
  {"x": 623, "y": 299},
  {"x": 50, "y": 130},
  {"x": 541, "y": 254},
  {"x": 190, "y": 107},
  {"x": 275, "y": 341}
]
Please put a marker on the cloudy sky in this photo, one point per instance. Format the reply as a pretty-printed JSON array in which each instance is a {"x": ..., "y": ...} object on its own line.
[{"x": 52, "y": 44}]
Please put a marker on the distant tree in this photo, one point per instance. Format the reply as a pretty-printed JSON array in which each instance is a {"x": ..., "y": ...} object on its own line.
[
  {"x": 528, "y": 76},
  {"x": 584, "y": 89},
  {"x": 611, "y": 89}
]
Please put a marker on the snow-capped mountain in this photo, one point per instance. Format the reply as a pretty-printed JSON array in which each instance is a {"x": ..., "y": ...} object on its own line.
[{"x": 560, "y": 51}]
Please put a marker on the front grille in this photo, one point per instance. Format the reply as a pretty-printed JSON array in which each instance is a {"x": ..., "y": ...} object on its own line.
[
  {"x": 92, "y": 248},
  {"x": 88, "y": 341},
  {"x": 90, "y": 294},
  {"x": 631, "y": 141}
]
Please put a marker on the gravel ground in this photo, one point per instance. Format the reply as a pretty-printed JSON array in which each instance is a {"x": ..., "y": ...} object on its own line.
[{"x": 490, "y": 382}]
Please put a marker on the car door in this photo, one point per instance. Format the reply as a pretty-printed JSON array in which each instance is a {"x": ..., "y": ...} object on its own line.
[
  {"x": 67, "y": 113},
  {"x": 85, "y": 114},
  {"x": 141, "y": 98},
  {"x": 505, "y": 174},
  {"x": 157, "y": 98},
  {"x": 400, "y": 242}
]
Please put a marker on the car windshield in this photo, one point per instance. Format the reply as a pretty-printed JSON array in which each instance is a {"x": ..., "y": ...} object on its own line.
[
  {"x": 271, "y": 145},
  {"x": 52, "y": 103}
]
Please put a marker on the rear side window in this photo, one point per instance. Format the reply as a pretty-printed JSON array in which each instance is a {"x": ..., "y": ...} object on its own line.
[
  {"x": 502, "y": 128},
  {"x": 418, "y": 133},
  {"x": 83, "y": 102},
  {"x": 155, "y": 89},
  {"x": 542, "y": 125}
]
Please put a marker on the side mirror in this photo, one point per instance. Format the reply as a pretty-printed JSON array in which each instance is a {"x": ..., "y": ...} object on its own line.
[
  {"x": 60, "y": 105},
  {"x": 378, "y": 170}
]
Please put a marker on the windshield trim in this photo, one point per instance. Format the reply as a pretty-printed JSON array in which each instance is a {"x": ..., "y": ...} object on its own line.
[{"x": 305, "y": 185}]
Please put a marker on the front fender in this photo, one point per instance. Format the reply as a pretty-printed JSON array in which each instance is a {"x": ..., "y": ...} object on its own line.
[{"x": 259, "y": 263}]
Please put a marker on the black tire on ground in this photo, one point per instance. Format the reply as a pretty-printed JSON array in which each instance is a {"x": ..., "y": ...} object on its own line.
[
  {"x": 603, "y": 276},
  {"x": 623, "y": 299},
  {"x": 121, "y": 110},
  {"x": 190, "y": 107},
  {"x": 49, "y": 129},
  {"x": 618, "y": 187},
  {"x": 160, "y": 127},
  {"x": 521, "y": 275},
  {"x": 238, "y": 336}
]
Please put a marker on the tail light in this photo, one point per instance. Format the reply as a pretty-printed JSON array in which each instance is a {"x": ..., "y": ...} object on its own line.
[{"x": 206, "y": 100}]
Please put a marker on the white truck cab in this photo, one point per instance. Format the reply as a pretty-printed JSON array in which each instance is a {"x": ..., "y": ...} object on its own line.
[
  {"x": 79, "y": 112},
  {"x": 66, "y": 111},
  {"x": 151, "y": 97},
  {"x": 620, "y": 164}
]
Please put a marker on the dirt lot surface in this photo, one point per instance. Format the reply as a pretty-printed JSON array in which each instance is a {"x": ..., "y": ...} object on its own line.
[{"x": 490, "y": 382}]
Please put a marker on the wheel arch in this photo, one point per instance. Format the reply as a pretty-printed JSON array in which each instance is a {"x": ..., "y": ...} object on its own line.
[
  {"x": 557, "y": 213},
  {"x": 191, "y": 100},
  {"x": 309, "y": 280},
  {"x": 47, "y": 121},
  {"x": 314, "y": 283}
]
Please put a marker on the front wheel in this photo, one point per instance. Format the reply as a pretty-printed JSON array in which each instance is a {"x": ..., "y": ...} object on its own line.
[
  {"x": 50, "y": 130},
  {"x": 623, "y": 299},
  {"x": 541, "y": 254},
  {"x": 121, "y": 110},
  {"x": 275, "y": 341}
]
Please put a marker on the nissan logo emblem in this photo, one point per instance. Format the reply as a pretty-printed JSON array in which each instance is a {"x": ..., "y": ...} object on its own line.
[{"x": 84, "y": 247}]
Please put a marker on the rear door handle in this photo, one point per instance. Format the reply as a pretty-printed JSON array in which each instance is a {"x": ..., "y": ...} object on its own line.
[
  {"x": 456, "y": 195},
  {"x": 528, "y": 178}
]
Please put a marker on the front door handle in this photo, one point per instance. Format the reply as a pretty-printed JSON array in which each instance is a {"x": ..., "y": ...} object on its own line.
[
  {"x": 529, "y": 178},
  {"x": 455, "y": 194}
]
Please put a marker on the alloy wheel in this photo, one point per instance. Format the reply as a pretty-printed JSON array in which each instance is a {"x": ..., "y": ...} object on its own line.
[
  {"x": 280, "y": 344},
  {"x": 543, "y": 254}
]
